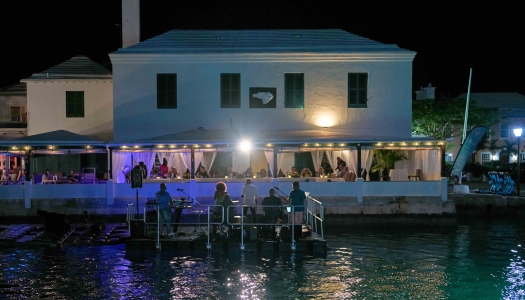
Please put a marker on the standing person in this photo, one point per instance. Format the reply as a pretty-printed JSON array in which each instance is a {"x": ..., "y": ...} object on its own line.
[
  {"x": 272, "y": 214},
  {"x": 163, "y": 198},
  {"x": 297, "y": 197},
  {"x": 143, "y": 169},
  {"x": 163, "y": 169},
  {"x": 222, "y": 198},
  {"x": 249, "y": 193}
]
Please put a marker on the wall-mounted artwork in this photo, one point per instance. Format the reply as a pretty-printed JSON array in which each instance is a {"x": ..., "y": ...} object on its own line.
[{"x": 262, "y": 97}]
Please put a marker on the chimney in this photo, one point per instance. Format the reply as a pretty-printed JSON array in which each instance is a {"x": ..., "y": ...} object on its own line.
[
  {"x": 420, "y": 94},
  {"x": 430, "y": 91},
  {"x": 130, "y": 22}
]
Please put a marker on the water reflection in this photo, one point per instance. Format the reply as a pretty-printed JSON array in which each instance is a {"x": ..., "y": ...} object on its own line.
[{"x": 476, "y": 260}]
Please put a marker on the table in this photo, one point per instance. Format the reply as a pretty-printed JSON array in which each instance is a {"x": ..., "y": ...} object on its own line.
[
  {"x": 322, "y": 179},
  {"x": 52, "y": 181},
  {"x": 398, "y": 175}
]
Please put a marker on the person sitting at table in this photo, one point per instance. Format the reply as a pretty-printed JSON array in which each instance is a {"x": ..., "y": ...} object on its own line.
[
  {"x": 280, "y": 173},
  {"x": 173, "y": 173},
  {"x": 73, "y": 177},
  {"x": 21, "y": 177},
  {"x": 153, "y": 174},
  {"x": 306, "y": 172},
  {"x": 202, "y": 173},
  {"x": 349, "y": 176},
  {"x": 47, "y": 176},
  {"x": 6, "y": 179},
  {"x": 263, "y": 173},
  {"x": 163, "y": 169},
  {"x": 217, "y": 173},
  {"x": 320, "y": 172},
  {"x": 231, "y": 173},
  {"x": 163, "y": 198},
  {"x": 186, "y": 174}
]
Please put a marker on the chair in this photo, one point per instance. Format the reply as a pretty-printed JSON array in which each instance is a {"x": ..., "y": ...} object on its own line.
[
  {"x": 89, "y": 175},
  {"x": 417, "y": 176}
]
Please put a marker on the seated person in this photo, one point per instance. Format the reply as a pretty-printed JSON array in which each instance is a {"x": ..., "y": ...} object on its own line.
[
  {"x": 306, "y": 173},
  {"x": 320, "y": 172},
  {"x": 217, "y": 173},
  {"x": 272, "y": 214},
  {"x": 231, "y": 173},
  {"x": 6, "y": 179},
  {"x": 280, "y": 174},
  {"x": 202, "y": 173},
  {"x": 73, "y": 177},
  {"x": 47, "y": 176},
  {"x": 21, "y": 177},
  {"x": 349, "y": 176},
  {"x": 263, "y": 174},
  {"x": 153, "y": 174}
]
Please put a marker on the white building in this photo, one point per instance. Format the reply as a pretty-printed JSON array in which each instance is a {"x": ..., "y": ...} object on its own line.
[{"x": 76, "y": 95}]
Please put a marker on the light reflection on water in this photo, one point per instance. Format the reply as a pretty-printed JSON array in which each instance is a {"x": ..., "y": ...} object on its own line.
[{"x": 476, "y": 260}]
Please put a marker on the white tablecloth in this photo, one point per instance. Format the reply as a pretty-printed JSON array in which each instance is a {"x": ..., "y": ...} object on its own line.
[{"x": 398, "y": 175}]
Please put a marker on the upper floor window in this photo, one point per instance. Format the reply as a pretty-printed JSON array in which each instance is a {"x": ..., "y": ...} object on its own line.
[
  {"x": 294, "y": 90},
  {"x": 357, "y": 89},
  {"x": 504, "y": 130},
  {"x": 230, "y": 90},
  {"x": 486, "y": 157},
  {"x": 74, "y": 104},
  {"x": 166, "y": 90},
  {"x": 15, "y": 114}
]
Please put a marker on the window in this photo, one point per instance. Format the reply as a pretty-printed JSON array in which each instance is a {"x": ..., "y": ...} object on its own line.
[
  {"x": 15, "y": 114},
  {"x": 449, "y": 157},
  {"x": 230, "y": 90},
  {"x": 522, "y": 157},
  {"x": 486, "y": 157},
  {"x": 294, "y": 90},
  {"x": 166, "y": 91},
  {"x": 74, "y": 104},
  {"x": 504, "y": 130},
  {"x": 357, "y": 89}
]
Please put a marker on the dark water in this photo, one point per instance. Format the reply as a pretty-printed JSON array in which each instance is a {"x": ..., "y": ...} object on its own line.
[{"x": 475, "y": 260}]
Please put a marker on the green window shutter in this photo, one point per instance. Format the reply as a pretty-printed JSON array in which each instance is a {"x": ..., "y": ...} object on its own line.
[
  {"x": 74, "y": 104},
  {"x": 294, "y": 90},
  {"x": 357, "y": 89},
  {"x": 230, "y": 90},
  {"x": 166, "y": 91}
]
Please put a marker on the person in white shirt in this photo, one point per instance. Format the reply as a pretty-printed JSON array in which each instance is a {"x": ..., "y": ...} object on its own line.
[{"x": 249, "y": 193}]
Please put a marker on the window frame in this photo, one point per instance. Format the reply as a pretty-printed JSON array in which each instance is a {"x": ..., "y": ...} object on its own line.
[
  {"x": 229, "y": 101},
  {"x": 75, "y": 99},
  {"x": 14, "y": 116},
  {"x": 506, "y": 130},
  {"x": 294, "y": 95},
  {"x": 484, "y": 154},
  {"x": 357, "y": 91},
  {"x": 167, "y": 94}
]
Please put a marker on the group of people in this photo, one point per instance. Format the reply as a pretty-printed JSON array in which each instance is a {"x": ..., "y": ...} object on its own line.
[
  {"x": 73, "y": 177},
  {"x": 6, "y": 179},
  {"x": 272, "y": 205}
]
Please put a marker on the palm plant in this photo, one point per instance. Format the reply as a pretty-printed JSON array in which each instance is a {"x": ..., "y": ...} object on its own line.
[{"x": 385, "y": 159}]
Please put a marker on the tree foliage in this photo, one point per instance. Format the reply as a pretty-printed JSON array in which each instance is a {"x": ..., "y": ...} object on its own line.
[
  {"x": 444, "y": 118},
  {"x": 385, "y": 159}
]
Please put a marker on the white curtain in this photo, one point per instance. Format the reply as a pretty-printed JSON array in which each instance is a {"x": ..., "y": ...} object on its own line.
[
  {"x": 181, "y": 161},
  {"x": 426, "y": 160},
  {"x": 369, "y": 154},
  {"x": 317, "y": 159},
  {"x": 285, "y": 162},
  {"x": 197, "y": 158},
  {"x": 147, "y": 157},
  {"x": 346, "y": 155},
  {"x": 269, "y": 158},
  {"x": 240, "y": 161},
  {"x": 351, "y": 163},
  {"x": 207, "y": 160},
  {"x": 120, "y": 161}
]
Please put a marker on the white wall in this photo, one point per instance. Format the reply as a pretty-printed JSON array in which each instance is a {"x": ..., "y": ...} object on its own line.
[
  {"x": 389, "y": 97},
  {"x": 47, "y": 107}
]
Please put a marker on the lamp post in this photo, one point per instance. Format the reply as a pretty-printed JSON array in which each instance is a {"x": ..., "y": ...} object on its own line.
[{"x": 517, "y": 133}]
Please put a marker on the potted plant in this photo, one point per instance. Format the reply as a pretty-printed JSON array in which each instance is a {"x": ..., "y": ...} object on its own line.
[{"x": 386, "y": 159}]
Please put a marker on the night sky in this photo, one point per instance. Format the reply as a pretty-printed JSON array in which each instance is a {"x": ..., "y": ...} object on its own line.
[{"x": 448, "y": 40}]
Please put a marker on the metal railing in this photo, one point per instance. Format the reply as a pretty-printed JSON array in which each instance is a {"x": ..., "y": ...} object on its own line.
[{"x": 215, "y": 218}]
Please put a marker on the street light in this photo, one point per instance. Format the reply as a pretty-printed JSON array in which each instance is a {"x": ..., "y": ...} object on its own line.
[{"x": 517, "y": 133}]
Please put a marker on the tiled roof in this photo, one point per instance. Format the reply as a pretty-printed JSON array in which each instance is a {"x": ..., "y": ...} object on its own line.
[
  {"x": 17, "y": 88},
  {"x": 56, "y": 138},
  {"x": 260, "y": 41},
  {"x": 78, "y": 67},
  {"x": 511, "y": 105}
]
